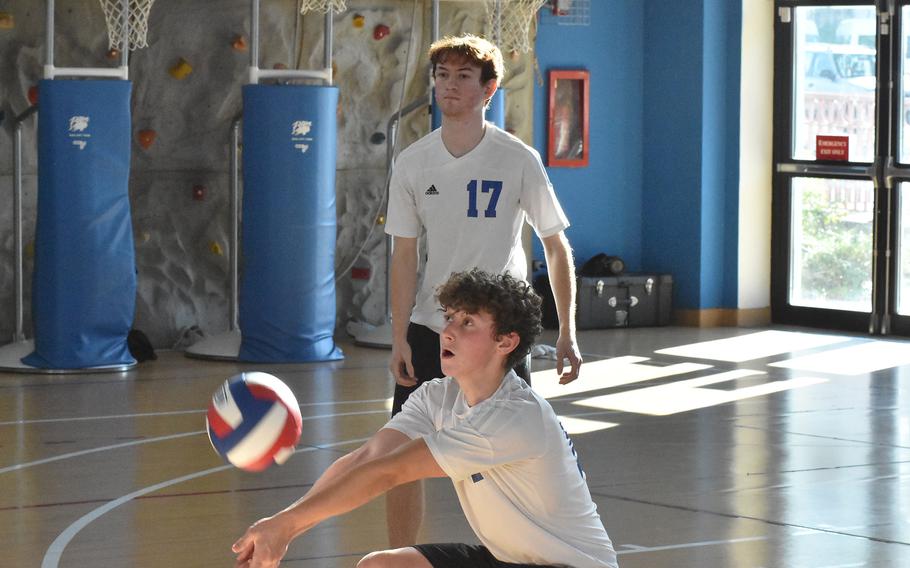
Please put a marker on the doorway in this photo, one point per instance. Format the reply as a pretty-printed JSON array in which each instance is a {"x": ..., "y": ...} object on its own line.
[{"x": 841, "y": 195}]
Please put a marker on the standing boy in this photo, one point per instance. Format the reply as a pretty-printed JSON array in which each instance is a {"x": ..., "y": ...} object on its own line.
[
  {"x": 513, "y": 466},
  {"x": 470, "y": 186}
]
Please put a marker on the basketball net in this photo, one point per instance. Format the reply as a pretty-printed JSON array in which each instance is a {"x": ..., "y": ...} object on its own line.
[
  {"x": 322, "y": 6},
  {"x": 515, "y": 20},
  {"x": 139, "y": 19}
]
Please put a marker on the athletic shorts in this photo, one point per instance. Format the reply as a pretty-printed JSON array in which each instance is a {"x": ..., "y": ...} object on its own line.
[
  {"x": 454, "y": 555},
  {"x": 424, "y": 343}
]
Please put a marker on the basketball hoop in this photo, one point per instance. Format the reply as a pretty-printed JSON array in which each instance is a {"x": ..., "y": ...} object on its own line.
[
  {"x": 138, "y": 21},
  {"x": 322, "y": 6},
  {"x": 515, "y": 19}
]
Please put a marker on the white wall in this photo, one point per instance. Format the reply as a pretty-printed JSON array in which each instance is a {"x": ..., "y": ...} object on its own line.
[{"x": 755, "y": 155}]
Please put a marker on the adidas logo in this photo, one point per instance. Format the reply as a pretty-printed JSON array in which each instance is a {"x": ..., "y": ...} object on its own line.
[{"x": 431, "y": 191}]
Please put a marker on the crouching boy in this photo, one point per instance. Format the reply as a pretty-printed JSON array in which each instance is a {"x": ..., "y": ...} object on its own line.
[{"x": 512, "y": 464}]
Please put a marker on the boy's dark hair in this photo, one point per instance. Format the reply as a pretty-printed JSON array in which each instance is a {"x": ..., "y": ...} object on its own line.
[
  {"x": 475, "y": 50},
  {"x": 512, "y": 303}
]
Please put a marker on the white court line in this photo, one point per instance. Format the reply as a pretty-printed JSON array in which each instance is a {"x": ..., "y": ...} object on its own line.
[
  {"x": 635, "y": 549},
  {"x": 16, "y": 467},
  {"x": 89, "y": 418},
  {"x": 55, "y": 550},
  {"x": 166, "y": 413},
  {"x": 358, "y": 413}
]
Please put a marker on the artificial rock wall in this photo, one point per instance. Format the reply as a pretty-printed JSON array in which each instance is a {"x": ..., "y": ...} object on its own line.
[{"x": 180, "y": 183}]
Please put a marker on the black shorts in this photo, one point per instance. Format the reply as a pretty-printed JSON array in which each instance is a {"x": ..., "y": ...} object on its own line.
[
  {"x": 452, "y": 555},
  {"x": 424, "y": 343}
]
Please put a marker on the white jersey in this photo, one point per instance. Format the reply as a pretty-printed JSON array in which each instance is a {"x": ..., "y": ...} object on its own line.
[
  {"x": 515, "y": 472},
  {"x": 472, "y": 207}
]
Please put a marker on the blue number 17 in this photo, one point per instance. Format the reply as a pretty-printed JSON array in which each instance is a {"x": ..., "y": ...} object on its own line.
[{"x": 485, "y": 187}]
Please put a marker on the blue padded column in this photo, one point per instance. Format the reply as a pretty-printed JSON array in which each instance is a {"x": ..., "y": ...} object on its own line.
[
  {"x": 287, "y": 291},
  {"x": 496, "y": 113},
  {"x": 84, "y": 285}
]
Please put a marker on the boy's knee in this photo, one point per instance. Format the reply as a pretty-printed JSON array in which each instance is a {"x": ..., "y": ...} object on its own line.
[
  {"x": 398, "y": 558},
  {"x": 378, "y": 559}
]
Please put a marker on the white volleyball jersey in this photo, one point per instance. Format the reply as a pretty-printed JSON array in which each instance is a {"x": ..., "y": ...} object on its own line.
[
  {"x": 472, "y": 209},
  {"x": 515, "y": 472}
]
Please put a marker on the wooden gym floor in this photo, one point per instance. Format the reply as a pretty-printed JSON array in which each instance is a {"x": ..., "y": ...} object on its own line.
[{"x": 703, "y": 448}]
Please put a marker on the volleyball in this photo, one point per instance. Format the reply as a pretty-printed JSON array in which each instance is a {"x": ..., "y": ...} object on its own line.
[{"x": 254, "y": 421}]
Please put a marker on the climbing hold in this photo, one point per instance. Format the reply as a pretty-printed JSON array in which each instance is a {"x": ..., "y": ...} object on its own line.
[
  {"x": 30, "y": 249},
  {"x": 33, "y": 95},
  {"x": 358, "y": 21},
  {"x": 198, "y": 193},
  {"x": 181, "y": 69},
  {"x": 380, "y": 220},
  {"x": 145, "y": 237},
  {"x": 216, "y": 248},
  {"x": 239, "y": 43},
  {"x": 377, "y": 138},
  {"x": 147, "y": 138},
  {"x": 279, "y": 66},
  {"x": 380, "y": 31},
  {"x": 113, "y": 53},
  {"x": 7, "y": 21}
]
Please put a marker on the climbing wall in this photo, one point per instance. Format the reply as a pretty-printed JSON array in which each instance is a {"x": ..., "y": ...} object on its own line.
[{"x": 186, "y": 95}]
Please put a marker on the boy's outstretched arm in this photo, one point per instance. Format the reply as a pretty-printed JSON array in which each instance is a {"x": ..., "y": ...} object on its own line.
[{"x": 265, "y": 543}]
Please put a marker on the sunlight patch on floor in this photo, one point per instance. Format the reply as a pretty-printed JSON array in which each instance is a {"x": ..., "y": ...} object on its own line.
[
  {"x": 753, "y": 346},
  {"x": 853, "y": 360},
  {"x": 682, "y": 396},
  {"x": 574, "y": 426},
  {"x": 608, "y": 373}
]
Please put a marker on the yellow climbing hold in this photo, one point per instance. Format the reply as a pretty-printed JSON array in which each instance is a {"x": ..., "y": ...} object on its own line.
[{"x": 181, "y": 69}]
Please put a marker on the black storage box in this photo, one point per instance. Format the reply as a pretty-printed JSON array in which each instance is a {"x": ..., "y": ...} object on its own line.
[{"x": 627, "y": 300}]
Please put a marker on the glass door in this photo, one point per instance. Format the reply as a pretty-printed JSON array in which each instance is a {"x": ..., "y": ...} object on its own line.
[
  {"x": 837, "y": 208},
  {"x": 897, "y": 175}
]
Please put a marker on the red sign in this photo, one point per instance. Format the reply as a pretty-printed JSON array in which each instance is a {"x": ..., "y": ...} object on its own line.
[{"x": 832, "y": 148}]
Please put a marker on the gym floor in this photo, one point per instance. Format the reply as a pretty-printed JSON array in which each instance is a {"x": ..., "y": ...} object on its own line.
[{"x": 721, "y": 447}]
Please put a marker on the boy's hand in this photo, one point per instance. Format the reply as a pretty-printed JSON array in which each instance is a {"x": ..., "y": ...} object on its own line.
[
  {"x": 400, "y": 365},
  {"x": 567, "y": 349},
  {"x": 263, "y": 545}
]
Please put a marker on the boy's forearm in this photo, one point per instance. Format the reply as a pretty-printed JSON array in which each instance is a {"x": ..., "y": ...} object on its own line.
[
  {"x": 346, "y": 490},
  {"x": 403, "y": 285},
  {"x": 338, "y": 467},
  {"x": 561, "y": 267}
]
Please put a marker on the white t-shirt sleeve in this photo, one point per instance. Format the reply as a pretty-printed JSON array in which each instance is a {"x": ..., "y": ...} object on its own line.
[
  {"x": 415, "y": 419},
  {"x": 402, "y": 219},
  {"x": 538, "y": 199},
  {"x": 511, "y": 434}
]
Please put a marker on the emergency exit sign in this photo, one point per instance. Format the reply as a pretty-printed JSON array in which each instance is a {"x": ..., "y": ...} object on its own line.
[{"x": 832, "y": 148}]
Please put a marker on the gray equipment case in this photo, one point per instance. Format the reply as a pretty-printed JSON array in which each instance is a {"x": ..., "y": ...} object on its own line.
[{"x": 627, "y": 300}]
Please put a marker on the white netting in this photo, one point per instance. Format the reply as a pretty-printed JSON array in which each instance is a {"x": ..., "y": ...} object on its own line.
[
  {"x": 515, "y": 19},
  {"x": 139, "y": 22},
  {"x": 322, "y": 6}
]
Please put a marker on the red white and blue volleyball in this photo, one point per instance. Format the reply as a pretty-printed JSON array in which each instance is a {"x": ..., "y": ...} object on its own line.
[{"x": 254, "y": 421}]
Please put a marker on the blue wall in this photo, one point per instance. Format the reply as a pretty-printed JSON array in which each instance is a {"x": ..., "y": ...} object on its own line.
[
  {"x": 603, "y": 201},
  {"x": 662, "y": 187}
]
